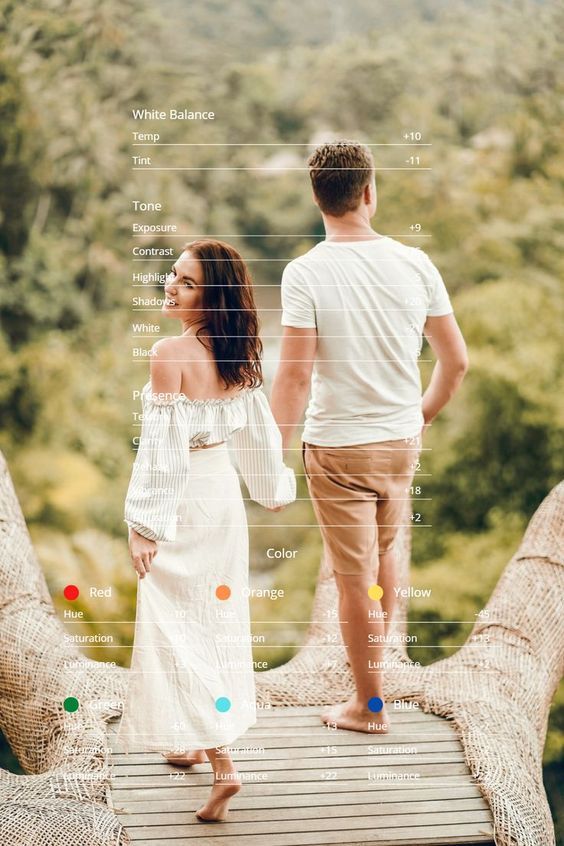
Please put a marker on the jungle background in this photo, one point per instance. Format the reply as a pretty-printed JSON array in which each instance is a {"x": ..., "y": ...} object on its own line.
[{"x": 481, "y": 81}]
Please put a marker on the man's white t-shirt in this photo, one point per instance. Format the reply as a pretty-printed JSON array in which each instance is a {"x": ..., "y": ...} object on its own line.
[{"x": 369, "y": 301}]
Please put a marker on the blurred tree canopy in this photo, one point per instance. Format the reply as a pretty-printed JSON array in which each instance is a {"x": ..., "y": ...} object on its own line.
[{"x": 492, "y": 202}]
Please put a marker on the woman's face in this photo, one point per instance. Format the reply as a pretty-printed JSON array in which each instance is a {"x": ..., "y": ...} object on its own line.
[{"x": 184, "y": 289}]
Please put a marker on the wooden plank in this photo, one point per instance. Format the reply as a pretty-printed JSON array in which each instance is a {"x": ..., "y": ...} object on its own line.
[
  {"x": 185, "y": 816},
  {"x": 284, "y": 717},
  {"x": 310, "y": 710},
  {"x": 448, "y": 835},
  {"x": 313, "y": 785},
  {"x": 272, "y": 751},
  {"x": 299, "y": 737},
  {"x": 396, "y": 718},
  {"x": 320, "y": 729},
  {"x": 312, "y": 716},
  {"x": 248, "y": 745},
  {"x": 244, "y": 802},
  {"x": 275, "y": 739},
  {"x": 322, "y": 824},
  {"x": 442, "y": 770},
  {"x": 423, "y": 722},
  {"x": 456, "y": 783},
  {"x": 326, "y": 762}
]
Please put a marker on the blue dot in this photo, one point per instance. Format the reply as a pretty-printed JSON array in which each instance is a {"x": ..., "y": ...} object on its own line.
[
  {"x": 375, "y": 704},
  {"x": 223, "y": 703}
]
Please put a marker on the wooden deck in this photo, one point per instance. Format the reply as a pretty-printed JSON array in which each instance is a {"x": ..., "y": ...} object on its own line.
[{"x": 318, "y": 787}]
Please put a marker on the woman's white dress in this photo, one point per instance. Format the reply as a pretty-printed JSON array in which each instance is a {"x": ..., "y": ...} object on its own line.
[{"x": 191, "y": 682}]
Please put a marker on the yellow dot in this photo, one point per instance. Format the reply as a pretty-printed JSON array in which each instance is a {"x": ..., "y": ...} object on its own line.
[{"x": 375, "y": 592}]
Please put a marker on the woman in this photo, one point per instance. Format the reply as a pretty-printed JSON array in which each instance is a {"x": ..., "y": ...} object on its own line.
[{"x": 191, "y": 678}]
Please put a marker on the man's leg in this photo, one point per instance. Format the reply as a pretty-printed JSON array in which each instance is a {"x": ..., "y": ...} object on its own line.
[
  {"x": 339, "y": 486},
  {"x": 385, "y": 575},
  {"x": 393, "y": 511},
  {"x": 364, "y": 711}
]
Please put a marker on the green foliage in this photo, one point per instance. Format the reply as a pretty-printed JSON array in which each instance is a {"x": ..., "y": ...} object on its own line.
[
  {"x": 19, "y": 152},
  {"x": 461, "y": 579},
  {"x": 500, "y": 443},
  {"x": 500, "y": 457},
  {"x": 90, "y": 558}
]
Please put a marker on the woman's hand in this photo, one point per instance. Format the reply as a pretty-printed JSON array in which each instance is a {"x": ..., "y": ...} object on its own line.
[
  {"x": 142, "y": 551},
  {"x": 276, "y": 508}
]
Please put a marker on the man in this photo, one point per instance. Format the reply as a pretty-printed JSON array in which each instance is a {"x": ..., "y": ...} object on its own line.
[{"x": 355, "y": 308}]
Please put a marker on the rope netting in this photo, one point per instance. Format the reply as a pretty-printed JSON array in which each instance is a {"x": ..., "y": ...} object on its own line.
[{"x": 63, "y": 799}]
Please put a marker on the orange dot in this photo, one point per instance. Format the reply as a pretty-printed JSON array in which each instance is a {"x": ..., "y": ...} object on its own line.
[{"x": 223, "y": 592}]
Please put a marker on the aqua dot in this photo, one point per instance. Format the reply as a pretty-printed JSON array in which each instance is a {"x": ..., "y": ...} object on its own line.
[
  {"x": 223, "y": 704},
  {"x": 70, "y": 704},
  {"x": 375, "y": 704}
]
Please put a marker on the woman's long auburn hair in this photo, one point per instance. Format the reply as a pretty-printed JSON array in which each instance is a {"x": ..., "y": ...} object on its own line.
[{"x": 230, "y": 312}]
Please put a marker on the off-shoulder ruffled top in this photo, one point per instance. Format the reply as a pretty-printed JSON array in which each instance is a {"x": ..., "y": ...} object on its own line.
[{"x": 171, "y": 426}]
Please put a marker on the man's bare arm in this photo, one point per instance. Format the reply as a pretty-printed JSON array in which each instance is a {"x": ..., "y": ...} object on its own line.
[
  {"x": 291, "y": 386},
  {"x": 446, "y": 341}
]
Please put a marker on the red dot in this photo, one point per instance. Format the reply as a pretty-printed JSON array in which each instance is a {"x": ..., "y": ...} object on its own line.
[
  {"x": 223, "y": 592},
  {"x": 71, "y": 592}
]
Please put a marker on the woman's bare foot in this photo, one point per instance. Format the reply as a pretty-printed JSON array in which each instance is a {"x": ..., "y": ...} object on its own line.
[
  {"x": 186, "y": 759},
  {"x": 225, "y": 785},
  {"x": 352, "y": 716}
]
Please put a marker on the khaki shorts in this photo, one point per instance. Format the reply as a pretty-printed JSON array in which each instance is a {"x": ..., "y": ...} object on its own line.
[{"x": 359, "y": 495}]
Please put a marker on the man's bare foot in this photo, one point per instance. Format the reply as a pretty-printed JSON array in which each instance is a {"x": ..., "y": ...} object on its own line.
[
  {"x": 186, "y": 759},
  {"x": 350, "y": 715},
  {"x": 225, "y": 785}
]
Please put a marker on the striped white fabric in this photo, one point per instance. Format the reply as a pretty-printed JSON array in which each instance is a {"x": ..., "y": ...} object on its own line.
[{"x": 162, "y": 466}]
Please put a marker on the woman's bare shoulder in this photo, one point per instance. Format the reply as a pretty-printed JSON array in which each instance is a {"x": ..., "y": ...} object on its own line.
[
  {"x": 179, "y": 361},
  {"x": 167, "y": 358},
  {"x": 182, "y": 347}
]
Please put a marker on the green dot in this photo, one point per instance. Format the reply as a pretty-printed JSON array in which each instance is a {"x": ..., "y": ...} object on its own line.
[{"x": 70, "y": 704}]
